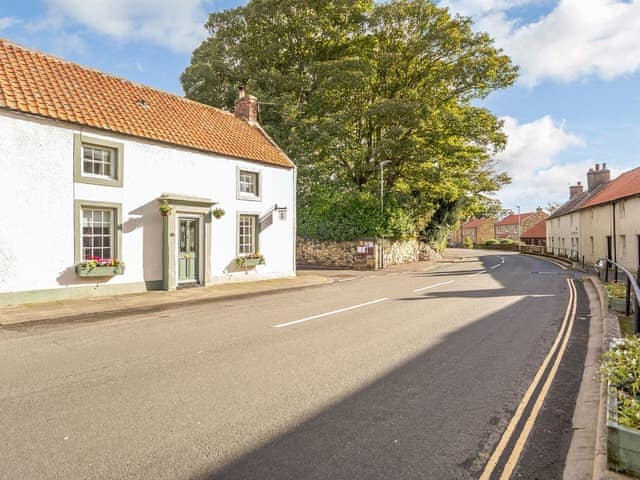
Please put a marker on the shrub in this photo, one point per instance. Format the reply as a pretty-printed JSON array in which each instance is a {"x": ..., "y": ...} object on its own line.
[
  {"x": 506, "y": 241},
  {"x": 491, "y": 242},
  {"x": 328, "y": 214},
  {"x": 467, "y": 242},
  {"x": 621, "y": 369}
]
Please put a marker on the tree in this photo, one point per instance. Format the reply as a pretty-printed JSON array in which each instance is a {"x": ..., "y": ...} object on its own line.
[{"x": 349, "y": 84}]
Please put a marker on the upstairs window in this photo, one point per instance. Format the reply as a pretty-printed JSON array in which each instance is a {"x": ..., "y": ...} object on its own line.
[
  {"x": 97, "y": 161},
  {"x": 248, "y": 185}
]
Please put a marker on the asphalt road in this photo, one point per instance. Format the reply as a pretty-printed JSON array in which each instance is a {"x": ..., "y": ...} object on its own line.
[{"x": 409, "y": 375}]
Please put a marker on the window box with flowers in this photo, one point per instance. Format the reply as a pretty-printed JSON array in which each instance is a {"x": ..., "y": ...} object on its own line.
[
  {"x": 100, "y": 267},
  {"x": 250, "y": 260}
]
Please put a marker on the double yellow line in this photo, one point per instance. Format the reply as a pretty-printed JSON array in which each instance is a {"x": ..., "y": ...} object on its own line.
[{"x": 560, "y": 345}]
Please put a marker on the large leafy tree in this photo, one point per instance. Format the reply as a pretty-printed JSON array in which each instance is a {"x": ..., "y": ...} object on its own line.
[{"x": 349, "y": 84}]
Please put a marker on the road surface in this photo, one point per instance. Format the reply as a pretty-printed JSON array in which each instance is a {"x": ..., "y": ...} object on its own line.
[{"x": 409, "y": 375}]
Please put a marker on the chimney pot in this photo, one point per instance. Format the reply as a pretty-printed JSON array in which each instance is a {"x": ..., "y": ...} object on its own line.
[{"x": 599, "y": 176}]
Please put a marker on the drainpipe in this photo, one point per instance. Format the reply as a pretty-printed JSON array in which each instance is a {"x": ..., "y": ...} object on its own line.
[{"x": 614, "y": 239}]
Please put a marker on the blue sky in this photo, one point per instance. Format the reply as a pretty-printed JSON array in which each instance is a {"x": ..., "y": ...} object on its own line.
[{"x": 577, "y": 101}]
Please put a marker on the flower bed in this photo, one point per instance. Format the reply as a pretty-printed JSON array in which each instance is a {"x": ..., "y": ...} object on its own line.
[
  {"x": 616, "y": 296},
  {"x": 621, "y": 369}
]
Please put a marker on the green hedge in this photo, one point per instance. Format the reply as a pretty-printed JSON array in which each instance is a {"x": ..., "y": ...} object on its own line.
[{"x": 326, "y": 214}]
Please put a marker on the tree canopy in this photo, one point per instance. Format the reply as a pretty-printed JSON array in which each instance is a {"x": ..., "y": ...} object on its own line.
[{"x": 348, "y": 84}]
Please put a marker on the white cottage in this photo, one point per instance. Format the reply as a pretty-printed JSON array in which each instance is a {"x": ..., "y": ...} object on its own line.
[{"x": 109, "y": 187}]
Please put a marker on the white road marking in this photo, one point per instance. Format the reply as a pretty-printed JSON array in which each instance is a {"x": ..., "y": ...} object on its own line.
[
  {"x": 432, "y": 286},
  {"x": 347, "y": 280},
  {"x": 280, "y": 325},
  {"x": 476, "y": 274}
]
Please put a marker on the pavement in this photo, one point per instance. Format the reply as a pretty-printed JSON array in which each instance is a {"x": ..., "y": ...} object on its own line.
[
  {"x": 410, "y": 373},
  {"x": 104, "y": 307}
]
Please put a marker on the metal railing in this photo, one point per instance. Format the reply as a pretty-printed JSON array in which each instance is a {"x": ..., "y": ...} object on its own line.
[
  {"x": 568, "y": 253},
  {"x": 632, "y": 293}
]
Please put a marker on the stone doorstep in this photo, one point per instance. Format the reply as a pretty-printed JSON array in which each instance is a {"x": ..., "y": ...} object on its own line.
[{"x": 111, "y": 306}]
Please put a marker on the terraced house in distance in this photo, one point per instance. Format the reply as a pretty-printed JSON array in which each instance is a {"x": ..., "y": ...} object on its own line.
[{"x": 112, "y": 187}]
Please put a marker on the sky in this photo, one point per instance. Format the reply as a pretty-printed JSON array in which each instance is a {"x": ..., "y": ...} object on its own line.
[{"x": 576, "y": 102}]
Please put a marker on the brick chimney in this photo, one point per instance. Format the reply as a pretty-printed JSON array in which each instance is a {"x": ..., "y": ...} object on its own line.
[
  {"x": 598, "y": 176},
  {"x": 575, "y": 190},
  {"x": 246, "y": 106}
]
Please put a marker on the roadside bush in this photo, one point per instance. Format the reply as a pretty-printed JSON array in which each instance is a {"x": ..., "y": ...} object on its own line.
[
  {"x": 491, "y": 242},
  {"x": 621, "y": 369},
  {"x": 506, "y": 241},
  {"x": 467, "y": 242},
  {"x": 328, "y": 214}
]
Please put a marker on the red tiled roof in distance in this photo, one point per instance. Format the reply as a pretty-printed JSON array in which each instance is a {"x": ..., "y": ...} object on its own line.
[
  {"x": 474, "y": 222},
  {"x": 539, "y": 230},
  {"x": 513, "y": 219},
  {"x": 35, "y": 83},
  {"x": 625, "y": 185}
]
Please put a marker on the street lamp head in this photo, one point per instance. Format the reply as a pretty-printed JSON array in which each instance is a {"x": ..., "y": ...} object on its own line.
[{"x": 384, "y": 162}]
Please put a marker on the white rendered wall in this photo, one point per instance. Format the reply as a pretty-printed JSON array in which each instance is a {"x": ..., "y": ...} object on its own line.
[
  {"x": 565, "y": 227},
  {"x": 37, "y": 192},
  {"x": 598, "y": 222}
]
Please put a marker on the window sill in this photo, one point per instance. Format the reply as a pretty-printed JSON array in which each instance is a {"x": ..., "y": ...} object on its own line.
[
  {"x": 104, "y": 182},
  {"x": 250, "y": 198},
  {"x": 99, "y": 271}
]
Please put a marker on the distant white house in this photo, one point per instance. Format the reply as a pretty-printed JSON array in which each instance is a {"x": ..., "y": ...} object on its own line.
[{"x": 96, "y": 170}]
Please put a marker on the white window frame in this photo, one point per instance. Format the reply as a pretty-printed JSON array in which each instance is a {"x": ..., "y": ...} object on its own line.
[
  {"x": 255, "y": 234},
  {"x": 116, "y": 230},
  {"x": 112, "y": 154},
  {"x": 82, "y": 142}
]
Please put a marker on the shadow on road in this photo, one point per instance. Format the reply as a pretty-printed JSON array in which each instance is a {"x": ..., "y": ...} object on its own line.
[{"x": 438, "y": 416}]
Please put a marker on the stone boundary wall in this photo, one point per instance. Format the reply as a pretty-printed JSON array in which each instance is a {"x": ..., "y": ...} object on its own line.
[
  {"x": 397, "y": 252},
  {"x": 365, "y": 254}
]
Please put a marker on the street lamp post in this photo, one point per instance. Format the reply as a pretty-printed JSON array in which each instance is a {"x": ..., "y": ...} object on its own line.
[
  {"x": 518, "y": 207},
  {"x": 382, "y": 164}
]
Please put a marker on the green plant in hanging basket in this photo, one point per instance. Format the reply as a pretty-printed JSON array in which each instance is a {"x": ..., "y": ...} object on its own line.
[
  {"x": 217, "y": 212},
  {"x": 165, "y": 209}
]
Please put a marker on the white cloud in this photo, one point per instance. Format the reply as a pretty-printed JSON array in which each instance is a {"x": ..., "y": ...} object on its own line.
[
  {"x": 577, "y": 39},
  {"x": 177, "y": 24},
  {"x": 6, "y": 22},
  {"x": 530, "y": 159}
]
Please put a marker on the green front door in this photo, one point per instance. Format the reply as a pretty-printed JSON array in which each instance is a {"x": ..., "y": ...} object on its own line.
[{"x": 188, "y": 247}]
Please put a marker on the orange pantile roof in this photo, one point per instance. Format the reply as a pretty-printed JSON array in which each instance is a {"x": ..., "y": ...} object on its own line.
[
  {"x": 626, "y": 185},
  {"x": 39, "y": 84},
  {"x": 539, "y": 230},
  {"x": 474, "y": 222},
  {"x": 513, "y": 219}
]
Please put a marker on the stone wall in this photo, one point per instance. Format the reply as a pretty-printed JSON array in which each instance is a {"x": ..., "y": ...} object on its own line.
[
  {"x": 360, "y": 254},
  {"x": 407, "y": 251}
]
